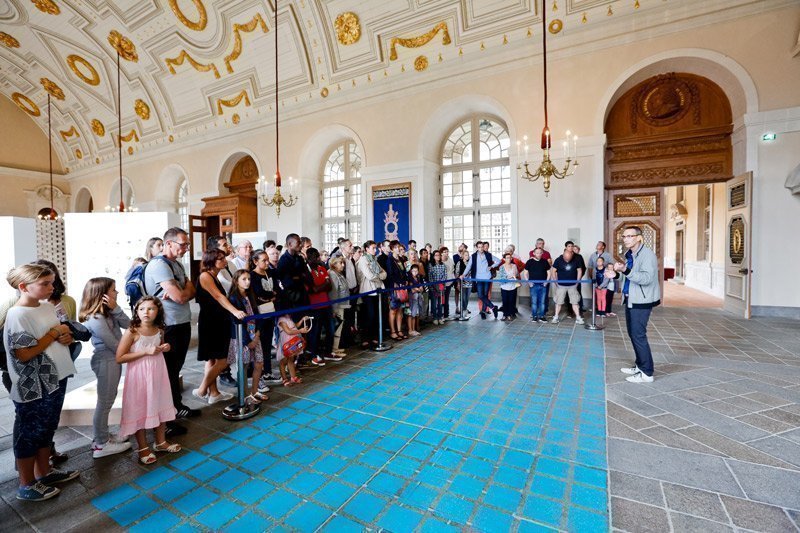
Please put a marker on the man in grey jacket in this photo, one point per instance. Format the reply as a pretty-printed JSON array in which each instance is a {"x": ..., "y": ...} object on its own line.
[{"x": 640, "y": 294}]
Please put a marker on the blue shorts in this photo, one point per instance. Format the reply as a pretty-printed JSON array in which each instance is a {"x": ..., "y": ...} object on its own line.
[{"x": 36, "y": 422}]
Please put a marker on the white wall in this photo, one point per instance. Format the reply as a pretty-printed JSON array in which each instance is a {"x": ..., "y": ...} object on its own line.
[{"x": 19, "y": 236}]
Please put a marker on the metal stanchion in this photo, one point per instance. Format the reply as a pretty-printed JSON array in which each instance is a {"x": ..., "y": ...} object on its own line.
[
  {"x": 593, "y": 326},
  {"x": 381, "y": 347},
  {"x": 240, "y": 410},
  {"x": 461, "y": 317}
]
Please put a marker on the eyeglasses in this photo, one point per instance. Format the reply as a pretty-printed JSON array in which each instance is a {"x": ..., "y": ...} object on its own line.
[
  {"x": 181, "y": 244},
  {"x": 629, "y": 236}
]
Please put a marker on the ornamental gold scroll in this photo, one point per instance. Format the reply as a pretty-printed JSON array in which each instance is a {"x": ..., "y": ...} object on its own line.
[
  {"x": 8, "y": 40},
  {"x": 256, "y": 21},
  {"x": 348, "y": 28},
  {"x": 98, "y": 128},
  {"x": 233, "y": 102},
  {"x": 26, "y": 104},
  {"x": 124, "y": 46},
  {"x": 73, "y": 60},
  {"x": 72, "y": 132},
  {"x": 173, "y": 62},
  {"x": 52, "y": 88},
  {"x": 420, "y": 40},
  {"x": 47, "y": 6},
  {"x": 200, "y": 25}
]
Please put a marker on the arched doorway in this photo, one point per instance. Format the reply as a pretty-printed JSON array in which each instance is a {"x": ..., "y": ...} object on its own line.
[
  {"x": 84, "y": 203},
  {"x": 669, "y": 130}
]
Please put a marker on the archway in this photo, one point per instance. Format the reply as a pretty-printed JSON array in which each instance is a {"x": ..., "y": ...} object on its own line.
[
  {"x": 84, "y": 203},
  {"x": 128, "y": 194}
]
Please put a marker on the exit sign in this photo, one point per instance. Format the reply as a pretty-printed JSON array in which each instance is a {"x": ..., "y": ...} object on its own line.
[{"x": 768, "y": 137}]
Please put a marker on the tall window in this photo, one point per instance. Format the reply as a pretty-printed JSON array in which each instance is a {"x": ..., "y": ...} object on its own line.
[
  {"x": 476, "y": 185},
  {"x": 182, "y": 203},
  {"x": 341, "y": 196},
  {"x": 705, "y": 223}
]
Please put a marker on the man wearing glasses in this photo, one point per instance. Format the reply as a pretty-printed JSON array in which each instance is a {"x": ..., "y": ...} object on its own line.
[
  {"x": 167, "y": 280},
  {"x": 640, "y": 294}
]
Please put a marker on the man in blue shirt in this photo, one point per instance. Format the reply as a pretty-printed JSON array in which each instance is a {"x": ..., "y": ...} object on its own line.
[{"x": 479, "y": 266}]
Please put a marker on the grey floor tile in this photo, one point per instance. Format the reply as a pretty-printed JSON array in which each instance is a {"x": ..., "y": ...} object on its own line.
[
  {"x": 694, "y": 502},
  {"x": 764, "y": 422},
  {"x": 757, "y": 516},
  {"x": 691, "y": 524},
  {"x": 779, "y": 447},
  {"x": 628, "y": 417},
  {"x": 672, "y": 465},
  {"x": 637, "y": 488},
  {"x": 671, "y": 421},
  {"x": 766, "y": 484},
  {"x": 621, "y": 431},
  {"x": 632, "y": 516},
  {"x": 672, "y": 439},
  {"x": 710, "y": 419},
  {"x": 732, "y": 448}
]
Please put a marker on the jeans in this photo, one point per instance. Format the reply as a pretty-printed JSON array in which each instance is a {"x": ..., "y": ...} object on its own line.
[
  {"x": 267, "y": 329},
  {"x": 108, "y": 372},
  {"x": 636, "y": 322},
  {"x": 178, "y": 337},
  {"x": 371, "y": 316},
  {"x": 509, "y": 302},
  {"x": 483, "y": 295},
  {"x": 465, "y": 292},
  {"x": 322, "y": 320},
  {"x": 538, "y": 300},
  {"x": 446, "y": 311},
  {"x": 436, "y": 303},
  {"x": 337, "y": 321},
  {"x": 36, "y": 422}
]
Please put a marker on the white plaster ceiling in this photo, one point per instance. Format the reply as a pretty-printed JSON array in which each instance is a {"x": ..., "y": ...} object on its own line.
[{"x": 316, "y": 68}]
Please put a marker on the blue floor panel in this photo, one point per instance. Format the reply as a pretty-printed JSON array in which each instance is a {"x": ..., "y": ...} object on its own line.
[{"x": 482, "y": 425}]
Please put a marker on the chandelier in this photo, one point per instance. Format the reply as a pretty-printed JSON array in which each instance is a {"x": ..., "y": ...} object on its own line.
[
  {"x": 269, "y": 192},
  {"x": 547, "y": 170},
  {"x": 52, "y": 214}
]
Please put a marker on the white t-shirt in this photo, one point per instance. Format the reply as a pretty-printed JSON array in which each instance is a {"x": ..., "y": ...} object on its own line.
[{"x": 40, "y": 375}]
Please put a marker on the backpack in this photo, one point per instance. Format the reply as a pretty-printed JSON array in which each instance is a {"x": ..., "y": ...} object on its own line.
[{"x": 134, "y": 283}]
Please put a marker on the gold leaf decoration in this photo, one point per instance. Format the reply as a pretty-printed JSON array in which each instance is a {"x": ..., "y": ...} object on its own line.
[
  {"x": 171, "y": 138},
  {"x": 420, "y": 40},
  {"x": 420, "y": 63},
  {"x": 98, "y": 128},
  {"x": 200, "y": 25},
  {"x": 132, "y": 135},
  {"x": 235, "y": 118},
  {"x": 124, "y": 46},
  {"x": 233, "y": 102},
  {"x": 130, "y": 150},
  {"x": 52, "y": 88},
  {"x": 78, "y": 153},
  {"x": 8, "y": 40},
  {"x": 26, "y": 104},
  {"x": 142, "y": 109},
  {"x": 348, "y": 28},
  {"x": 324, "y": 92},
  {"x": 72, "y": 132},
  {"x": 555, "y": 26},
  {"x": 237, "y": 38},
  {"x": 73, "y": 60},
  {"x": 47, "y": 6},
  {"x": 173, "y": 62}
]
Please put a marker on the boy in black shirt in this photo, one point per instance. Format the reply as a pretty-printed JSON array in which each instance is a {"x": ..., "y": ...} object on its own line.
[{"x": 538, "y": 270}]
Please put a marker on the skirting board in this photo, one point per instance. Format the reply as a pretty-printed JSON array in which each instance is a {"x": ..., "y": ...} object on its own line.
[{"x": 775, "y": 311}]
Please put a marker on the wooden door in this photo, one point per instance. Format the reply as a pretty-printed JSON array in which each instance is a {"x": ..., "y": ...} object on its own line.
[
  {"x": 198, "y": 233},
  {"x": 637, "y": 207},
  {"x": 738, "y": 256}
]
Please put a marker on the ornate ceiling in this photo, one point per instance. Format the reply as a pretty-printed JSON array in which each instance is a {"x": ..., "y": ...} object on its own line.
[{"x": 198, "y": 67}]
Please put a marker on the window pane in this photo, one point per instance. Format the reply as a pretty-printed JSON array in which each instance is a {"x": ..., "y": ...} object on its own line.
[
  {"x": 496, "y": 228},
  {"x": 493, "y": 181},
  {"x": 458, "y": 148},
  {"x": 494, "y": 141}
]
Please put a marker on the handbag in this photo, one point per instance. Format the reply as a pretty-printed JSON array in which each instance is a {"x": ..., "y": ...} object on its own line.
[
  {"x": 294, "y": 346},
  {"x": 401, "y": 295},
  {"x": 268, "y": 307}
]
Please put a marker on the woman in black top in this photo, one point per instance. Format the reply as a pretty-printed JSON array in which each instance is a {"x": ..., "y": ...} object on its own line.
[{"x": 263, "y": 283}]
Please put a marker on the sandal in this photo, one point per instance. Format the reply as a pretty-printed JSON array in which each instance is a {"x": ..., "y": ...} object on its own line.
[
  {"x": 252, "y": 400},
  {"x": 287, "y": 383},
  {"x": 394, "y": 336},
  {"x": 297, "y": 379},
  {"x": 148, "y": 459},
  {"x": 167, "y": 447},
  {"x": 260, "y": 396}
]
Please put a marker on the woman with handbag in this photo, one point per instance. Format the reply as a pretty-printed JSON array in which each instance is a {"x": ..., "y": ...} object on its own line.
[
  {"x": 508, "y": 275},
  {"x": 213, "y": 326},
  {"x": 396, "y": 279},
  {"x": 290, "y": 346},
  {"x": 263, "y": 284},
  {"x": 437, "y": 272}
]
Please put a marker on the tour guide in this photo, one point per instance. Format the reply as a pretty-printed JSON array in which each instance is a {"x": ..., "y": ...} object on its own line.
[{"x": 640, "y": 294}]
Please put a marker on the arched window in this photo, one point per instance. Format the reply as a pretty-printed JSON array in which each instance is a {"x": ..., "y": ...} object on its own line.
[
  {"x": 341, "y": 195},
  {"x": 182, "y": 202},
  {"x": 476, "y": 185}
]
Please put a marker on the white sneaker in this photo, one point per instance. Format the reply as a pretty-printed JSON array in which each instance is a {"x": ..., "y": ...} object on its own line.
[
  {"x": 196, "y": 394},
  {"x": 221, "y": 397},
  {"x": 630, "y": 370},
  {"x": 640, "y": 377},
  {"x": 555, "y": 320},
  {"x": 579, "y": 320},
  {"x": 109, "y": 448}
]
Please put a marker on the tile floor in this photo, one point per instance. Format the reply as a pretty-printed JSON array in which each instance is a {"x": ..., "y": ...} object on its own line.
[{"x": 454, "y": 432}]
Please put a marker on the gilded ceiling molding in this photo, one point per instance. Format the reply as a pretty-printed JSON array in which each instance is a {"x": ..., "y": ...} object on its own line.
[
  {"x": 47, "y": 6},
  {"x": 52, "y": 88},
  {"x": 142, "y": 109},
  {"x": 72, "y": 132},
  {"x": 348, "y": 28},
  {"x": 237, "y": 38},
  {"x": 8, "y": 40},
  {"x": 26, "y": 104},
  {"x": 233, "y": 102},
  {"x": 420, "y": 63},
  {"x": 78, "y": 153},
  {"x": 173, "y": 62},
  {"x": 132, "y": 135},
  {"x": 124, "y": 46},
  {"x": 98, "y": 128},
  {"x": 200, "y": 25},
  {"x": 420, "y": 40},
  {"x": 92, "y": 79}
]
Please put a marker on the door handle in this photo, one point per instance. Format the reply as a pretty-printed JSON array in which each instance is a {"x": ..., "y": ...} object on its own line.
[{"x": 744, "y": 271}]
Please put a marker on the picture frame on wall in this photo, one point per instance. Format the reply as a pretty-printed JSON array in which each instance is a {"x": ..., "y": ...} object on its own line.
[{"x": 391, "y": 212}]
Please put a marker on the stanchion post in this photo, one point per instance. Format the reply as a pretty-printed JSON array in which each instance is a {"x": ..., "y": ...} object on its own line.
[
  {"x": 461, "y": 317},
  {"x": 381, "y": 347},
  {"x": 240, "y": 410},
  {"x": 593, "y": 326}
]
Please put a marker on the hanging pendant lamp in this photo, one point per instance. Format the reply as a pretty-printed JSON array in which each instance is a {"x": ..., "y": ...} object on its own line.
[{"x": 52, "y": 215}]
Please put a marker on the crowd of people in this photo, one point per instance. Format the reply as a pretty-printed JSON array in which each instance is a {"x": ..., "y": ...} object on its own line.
[{"x": 333, "y": 301}]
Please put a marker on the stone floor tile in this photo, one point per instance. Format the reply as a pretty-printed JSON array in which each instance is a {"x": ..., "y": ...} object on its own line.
[
  {"x": 627, "y": 417},
  {"x": 632, "y": 516},
  {"x": 671, "y": 421},
  {"x": 759, "y": 483},
  {"x": 726, "y": 408},
  {"x": 691, "y": 524},
  {"x": 694, "y": 502},
  {"x": 621, "y": 431},
  {"x": 764, "y": 422},
  {"x": 672, "y": 439},
  {"x": 732, "y": 448},
  {"x": 784, "y": 416},
  {"x": 636, "y": 488},
  {"x": 712, "y": 420},
  {"x": 757, "y": 516},
  {"x": 779, "y": 447},
  {"x": 669, "y": 464}
]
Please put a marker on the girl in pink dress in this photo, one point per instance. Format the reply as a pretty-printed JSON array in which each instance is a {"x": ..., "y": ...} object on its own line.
[{"x": 146, "y": 398}]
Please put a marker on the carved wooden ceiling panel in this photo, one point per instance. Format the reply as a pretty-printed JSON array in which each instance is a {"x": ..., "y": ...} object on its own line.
[{"x": 196, "y": 67}]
